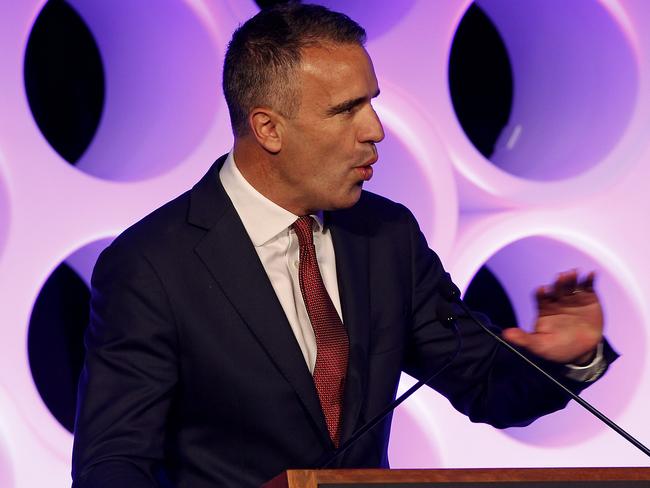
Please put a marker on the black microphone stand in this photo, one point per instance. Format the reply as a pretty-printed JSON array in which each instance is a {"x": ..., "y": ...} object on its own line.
[
  {"x": 444, "y": 310},
  {"x": 453, "y": 293}
]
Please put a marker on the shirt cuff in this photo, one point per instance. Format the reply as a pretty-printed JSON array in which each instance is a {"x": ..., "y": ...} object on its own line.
[{"x": 590, "y": 372}]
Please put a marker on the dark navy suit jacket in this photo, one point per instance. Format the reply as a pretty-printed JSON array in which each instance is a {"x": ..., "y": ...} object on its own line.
[{"x": 193, "y": 373}]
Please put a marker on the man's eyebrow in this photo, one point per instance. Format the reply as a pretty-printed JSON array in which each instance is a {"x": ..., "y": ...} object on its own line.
[{"x": 349, "y": 104}]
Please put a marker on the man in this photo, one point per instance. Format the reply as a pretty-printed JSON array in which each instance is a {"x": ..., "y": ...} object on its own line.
[{"x": 254, "y": 323}]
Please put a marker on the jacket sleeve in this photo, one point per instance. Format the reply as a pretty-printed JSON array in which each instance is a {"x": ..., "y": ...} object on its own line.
[
  {"x": 486, "y": 382},
  {"x": 129, "y": 375}
]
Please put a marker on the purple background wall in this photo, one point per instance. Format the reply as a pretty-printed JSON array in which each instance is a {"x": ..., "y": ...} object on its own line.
[{"x": 565, "y": 187}]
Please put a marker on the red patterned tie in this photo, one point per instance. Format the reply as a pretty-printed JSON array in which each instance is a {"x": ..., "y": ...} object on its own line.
[{"x": 331, "y": 337}]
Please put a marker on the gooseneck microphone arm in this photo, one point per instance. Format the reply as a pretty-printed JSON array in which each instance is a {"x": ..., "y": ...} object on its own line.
[
  {"x": 447, "y": 317},
  {"x": 452, "y": 294}
]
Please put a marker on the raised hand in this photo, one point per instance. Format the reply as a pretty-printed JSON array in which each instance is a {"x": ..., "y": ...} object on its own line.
[{"x": 569, "y": 325}]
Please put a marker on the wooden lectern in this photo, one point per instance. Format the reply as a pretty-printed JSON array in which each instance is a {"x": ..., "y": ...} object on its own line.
[{"x": 465, "y": 478}]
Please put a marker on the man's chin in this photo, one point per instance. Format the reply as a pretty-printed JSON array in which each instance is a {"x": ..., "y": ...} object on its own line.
[
  {"x": 351, "y": 200},
  {"x": 343, "y": 203}
]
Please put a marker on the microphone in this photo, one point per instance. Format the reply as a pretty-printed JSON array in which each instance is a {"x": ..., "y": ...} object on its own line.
[
  {"x": 451, "y": 293},
  {"x": 448, "y": 319}
]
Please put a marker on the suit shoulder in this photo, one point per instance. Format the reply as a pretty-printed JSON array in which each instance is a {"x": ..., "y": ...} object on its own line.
[
  {"x": 376, "y": 215},
  {"x": 169, "y": 226},
  {"x": 374, "y": 206},
  {"x": 160, "y": 228},
  {"x": 161, "y": 222}
]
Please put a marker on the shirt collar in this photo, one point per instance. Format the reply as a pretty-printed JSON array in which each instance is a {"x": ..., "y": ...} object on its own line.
[{"x": 262, "y": 218}]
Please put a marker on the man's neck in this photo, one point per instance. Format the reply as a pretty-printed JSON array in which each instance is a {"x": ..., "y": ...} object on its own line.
[{"x": 256, "y": 166}]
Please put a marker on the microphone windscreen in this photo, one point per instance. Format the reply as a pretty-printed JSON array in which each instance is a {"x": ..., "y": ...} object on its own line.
[{"x": 447, "y": 289}]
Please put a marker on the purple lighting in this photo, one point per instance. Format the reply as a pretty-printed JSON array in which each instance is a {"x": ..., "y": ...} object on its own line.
[
  {"x": 163, "y": 76},
  {"x": 576, "y": 83},
  {"x": 376, "y": 21},
  {"x": 540, "y": 256},
  {"x": 5, "y": 211},
  {"x": 566, "y": 187}
]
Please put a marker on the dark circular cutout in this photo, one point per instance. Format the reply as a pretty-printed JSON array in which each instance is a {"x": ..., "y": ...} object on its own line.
[
  {"x": 480, "y": 80},
  {"x": 544, "y": 90},
  {"x": 524, "y": 265},
  {"x": 64, "y": 79},
  {"x": 486, "y": 294},
  {"x": 55, "y": 341},
  {"x": 377, "y": 19},
  {"x": 262, "y": 4}
]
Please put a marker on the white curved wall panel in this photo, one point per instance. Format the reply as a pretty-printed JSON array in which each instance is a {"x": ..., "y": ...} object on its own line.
[{"x": 566, "y": 187}]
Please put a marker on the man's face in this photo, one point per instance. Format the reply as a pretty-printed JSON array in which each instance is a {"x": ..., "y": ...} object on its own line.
[{"x": 329, "y": 145}]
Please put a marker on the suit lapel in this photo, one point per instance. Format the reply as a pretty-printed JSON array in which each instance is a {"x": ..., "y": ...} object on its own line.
[
  {"x": 352, "y": 270},
  {"x": 230, "y": 256}
]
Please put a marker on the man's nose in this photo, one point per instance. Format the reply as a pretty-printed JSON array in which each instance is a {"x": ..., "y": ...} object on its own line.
[{"x": 373, "y": 131}]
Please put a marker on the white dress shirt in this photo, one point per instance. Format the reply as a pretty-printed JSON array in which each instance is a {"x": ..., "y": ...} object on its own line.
[{"x": 269, "y": 227}]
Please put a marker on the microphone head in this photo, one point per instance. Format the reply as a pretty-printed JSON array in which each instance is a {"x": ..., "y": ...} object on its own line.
[
  {"x": 448, "y": 290},
  {"x": 446, "y": 313}
]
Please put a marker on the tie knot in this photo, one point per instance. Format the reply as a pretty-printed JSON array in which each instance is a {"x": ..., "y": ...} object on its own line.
[{"x": 303, "y": 227}]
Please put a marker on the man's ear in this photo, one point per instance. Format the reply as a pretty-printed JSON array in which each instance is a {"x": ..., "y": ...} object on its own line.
[{"x": 266, "y": 127}]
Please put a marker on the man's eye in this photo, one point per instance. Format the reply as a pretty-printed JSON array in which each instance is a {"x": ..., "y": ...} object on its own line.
[{"x": 346, "y": 110}]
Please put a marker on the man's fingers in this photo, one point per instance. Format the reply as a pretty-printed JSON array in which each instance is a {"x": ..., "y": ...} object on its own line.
[
  {"x": 517, "y": 337},
  {"x": 565, "y": 283},
  {"x": 536, "y": 343},
  {"x": 543, "y": 294},
  {"x": 588, "y": 283}
]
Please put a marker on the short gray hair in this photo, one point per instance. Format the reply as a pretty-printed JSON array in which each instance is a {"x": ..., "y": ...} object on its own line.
[{"x": 265, "y": 51}]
